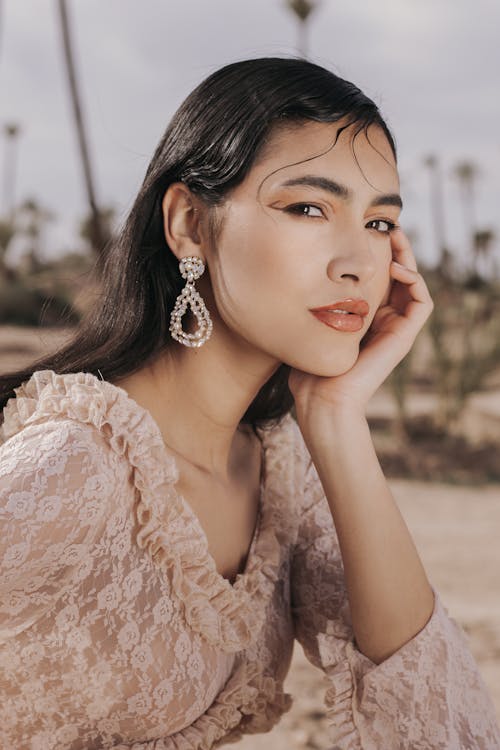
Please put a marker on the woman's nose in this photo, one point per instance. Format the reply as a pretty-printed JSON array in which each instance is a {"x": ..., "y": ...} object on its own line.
[{"x": 355, "y": 260}]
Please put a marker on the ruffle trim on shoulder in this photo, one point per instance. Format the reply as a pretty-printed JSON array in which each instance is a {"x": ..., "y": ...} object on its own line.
[
  {"x": 251, "y": 702},
  {"x": 229, "y": 616}
]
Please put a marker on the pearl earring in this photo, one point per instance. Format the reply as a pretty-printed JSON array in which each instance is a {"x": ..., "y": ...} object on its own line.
[{"x": 190, "y": 268}]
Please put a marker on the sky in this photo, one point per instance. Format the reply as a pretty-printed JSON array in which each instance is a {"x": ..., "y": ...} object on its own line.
[{"x": 432, "y": 66}]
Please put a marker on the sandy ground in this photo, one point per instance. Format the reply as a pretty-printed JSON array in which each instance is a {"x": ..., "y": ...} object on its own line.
[{"x": 456, "y": 531}]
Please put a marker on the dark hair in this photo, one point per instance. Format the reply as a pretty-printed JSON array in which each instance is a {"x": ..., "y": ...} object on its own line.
[{"x": 210, "y": 145}]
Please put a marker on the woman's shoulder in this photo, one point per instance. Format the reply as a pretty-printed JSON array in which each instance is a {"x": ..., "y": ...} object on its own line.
[
  {"x": 49, "y": 431},
  {"x": 78, "y": 409},
  {"x": 286, "y": 456},
  {"x": 286, "y": 438},
  {"x": 86, "y": 416},
  {"x": 47, "y": 396},
  {"x": 79, "y": 397}
]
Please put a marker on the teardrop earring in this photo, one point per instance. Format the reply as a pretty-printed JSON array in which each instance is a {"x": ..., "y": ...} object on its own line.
[{"x": 191, "y": 268}]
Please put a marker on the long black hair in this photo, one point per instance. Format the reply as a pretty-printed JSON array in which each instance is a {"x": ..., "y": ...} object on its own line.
[{"x": 210, "y": 145}]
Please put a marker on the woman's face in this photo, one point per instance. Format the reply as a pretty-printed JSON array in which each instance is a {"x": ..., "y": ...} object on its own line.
[{"x": 307, "y": 228}]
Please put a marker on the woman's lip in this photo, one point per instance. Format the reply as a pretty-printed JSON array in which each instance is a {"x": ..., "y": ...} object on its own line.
[
  {"x": 357, "y": 306},
  {"x": 340, "y": 321}
]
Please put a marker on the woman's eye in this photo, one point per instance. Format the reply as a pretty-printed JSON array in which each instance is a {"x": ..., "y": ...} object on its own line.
[
  {"x": 305, "y": 209},
  {"x": 381, "y": 225}
]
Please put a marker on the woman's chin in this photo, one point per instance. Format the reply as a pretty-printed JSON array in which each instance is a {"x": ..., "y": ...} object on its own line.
[{"x": 331, "y": 367}]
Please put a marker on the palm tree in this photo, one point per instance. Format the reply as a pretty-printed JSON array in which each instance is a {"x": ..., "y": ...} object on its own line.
[
  {"x": 97, "y": 237},
  {"x": 467, "y": 173},
  {"x": 33, "y": 219},
  {"x": 8, "y": 219},
  {"x": 107, "y": 215},
  {"x": 483, "y": 245},
  {"x": 302, "y": 9},
  {"x": 11, "y": 131},
  {"x": 7, "y": 233},
  {"x": 483, "y": 240},
  {"x": 437, "y": 206}
]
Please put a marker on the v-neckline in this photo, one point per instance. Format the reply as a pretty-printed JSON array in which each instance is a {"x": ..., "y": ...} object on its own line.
[
  {"x": 188, "y": 509},
  {"x": 198, "y": 525}
]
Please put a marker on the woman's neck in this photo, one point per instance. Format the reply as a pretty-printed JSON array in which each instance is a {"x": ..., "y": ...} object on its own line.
[{"x": 197, "y": 398}]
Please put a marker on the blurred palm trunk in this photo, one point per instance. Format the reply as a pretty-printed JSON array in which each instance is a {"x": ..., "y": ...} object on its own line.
[
  {"x": 97, "y": 234},
  {"x": 11, "y": 131},
  {"x": 302, "y": 10},
  {"x": 437, "y": 207},
  {"x": 467, "y": 173},
  {"x": 8, "y": 226}
]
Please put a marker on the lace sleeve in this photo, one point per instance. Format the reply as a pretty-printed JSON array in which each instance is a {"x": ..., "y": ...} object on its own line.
[
  {"x": 428, "y": 694},
  {"x": 55, "y": 482}
]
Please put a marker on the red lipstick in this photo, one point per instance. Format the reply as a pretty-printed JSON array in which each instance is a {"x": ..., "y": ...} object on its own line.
[{"x": 344, "y": 315}]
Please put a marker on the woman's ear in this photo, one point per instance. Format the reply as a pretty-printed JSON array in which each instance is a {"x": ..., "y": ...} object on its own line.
[{"x": 181, "y": 221}]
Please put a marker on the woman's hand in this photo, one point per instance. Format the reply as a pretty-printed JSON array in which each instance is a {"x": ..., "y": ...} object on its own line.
[{"x": 389, "y": 338}]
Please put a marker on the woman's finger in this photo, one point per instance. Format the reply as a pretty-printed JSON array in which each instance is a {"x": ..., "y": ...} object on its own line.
[
  {"x": 421, "y": 305},
  {"x": 402, "y": 250},
  {"x": 413, "y": 279}
]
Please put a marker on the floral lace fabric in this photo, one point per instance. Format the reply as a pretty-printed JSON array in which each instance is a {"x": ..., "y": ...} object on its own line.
[{"x": 117, "y": 631}]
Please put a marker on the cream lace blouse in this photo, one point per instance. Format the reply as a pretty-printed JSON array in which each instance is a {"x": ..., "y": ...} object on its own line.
[{"x": 117, "y": 631}]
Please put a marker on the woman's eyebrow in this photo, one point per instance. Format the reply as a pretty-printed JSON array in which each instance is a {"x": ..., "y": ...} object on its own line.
[
  {"x": 390, "y": 199},
  {"x": 341, "y": 191}
]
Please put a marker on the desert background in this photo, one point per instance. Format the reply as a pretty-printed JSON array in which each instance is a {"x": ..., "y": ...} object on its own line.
[{"x": 88, "y": 88}]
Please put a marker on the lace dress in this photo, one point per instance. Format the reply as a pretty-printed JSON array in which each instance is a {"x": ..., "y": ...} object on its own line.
[{"x": 117, "y": 631}]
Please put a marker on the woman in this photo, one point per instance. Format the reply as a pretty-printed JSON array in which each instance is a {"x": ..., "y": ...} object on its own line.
[{"x": 168, "y": 527}]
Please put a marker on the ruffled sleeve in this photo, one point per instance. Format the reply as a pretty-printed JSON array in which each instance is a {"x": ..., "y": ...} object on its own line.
[{"x": 428, "y": 694}]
